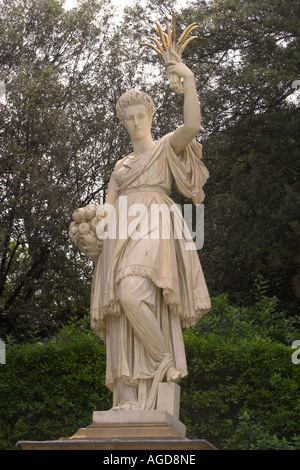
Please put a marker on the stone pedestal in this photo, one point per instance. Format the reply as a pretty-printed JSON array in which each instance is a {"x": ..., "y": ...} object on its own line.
[
  {"x": 131, "y": 430},
  {"x": 162, "y": 423},
  {"x": 132, "y": 425},
  {"x": 118, "y": 445}
]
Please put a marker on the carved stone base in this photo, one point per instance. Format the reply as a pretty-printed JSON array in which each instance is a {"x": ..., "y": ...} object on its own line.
[
  {"x": 132, "y": 425},
  {"x": 162, "y": 423}
]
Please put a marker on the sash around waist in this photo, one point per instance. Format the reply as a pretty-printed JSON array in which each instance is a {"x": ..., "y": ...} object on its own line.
[{"x": 144, "y": 189}]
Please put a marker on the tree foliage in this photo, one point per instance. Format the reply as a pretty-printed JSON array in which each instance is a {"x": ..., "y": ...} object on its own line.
[
  {"x": 60, "y": 138},
  {"x": 247, "y": 62},
  {"x": 58, "y": 144}
]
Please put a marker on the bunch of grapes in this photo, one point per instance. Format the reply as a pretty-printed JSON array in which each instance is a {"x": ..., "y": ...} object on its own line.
[{"x": 82, "y": 230}]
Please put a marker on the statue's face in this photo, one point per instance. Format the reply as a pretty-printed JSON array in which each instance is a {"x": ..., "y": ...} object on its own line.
[{"x": 137, "y": 121}]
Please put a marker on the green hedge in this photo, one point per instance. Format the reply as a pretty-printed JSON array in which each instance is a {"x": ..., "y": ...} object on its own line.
[
  {"x": 50, "y": 390},
  {"x": 242, "y": 391},
  {"x": 249, "y": 380}
]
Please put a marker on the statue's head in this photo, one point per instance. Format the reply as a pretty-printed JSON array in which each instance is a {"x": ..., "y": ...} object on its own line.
[
  {"x": 132, "y": 97},
  {"x": 135, "y": 109}
]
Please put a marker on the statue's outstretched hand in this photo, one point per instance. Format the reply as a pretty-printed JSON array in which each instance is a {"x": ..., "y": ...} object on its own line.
[
  {"x": 177, "y": 71},
  {"x": 179, "y": 68}
]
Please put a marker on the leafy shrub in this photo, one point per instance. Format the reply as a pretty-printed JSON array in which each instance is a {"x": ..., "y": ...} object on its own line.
[
  {"x": 250, "y": 435},
  {"x": 264, "y": 319},
  {"x": 50, "y": 390},
  {"x": 240, "y": 367}
]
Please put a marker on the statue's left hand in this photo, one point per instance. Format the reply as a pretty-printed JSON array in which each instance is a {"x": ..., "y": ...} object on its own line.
[{"x": 92, "y": 251}]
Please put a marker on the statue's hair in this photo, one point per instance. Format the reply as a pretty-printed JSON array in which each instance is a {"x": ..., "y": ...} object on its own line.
[{"x": 134, "y": 97}]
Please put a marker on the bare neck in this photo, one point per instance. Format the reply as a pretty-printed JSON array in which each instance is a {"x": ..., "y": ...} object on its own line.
[{"x": 141, "y": 146}]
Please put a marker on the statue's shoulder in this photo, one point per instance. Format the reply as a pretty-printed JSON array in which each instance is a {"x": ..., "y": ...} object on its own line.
[{"x": 120, "y": 162}]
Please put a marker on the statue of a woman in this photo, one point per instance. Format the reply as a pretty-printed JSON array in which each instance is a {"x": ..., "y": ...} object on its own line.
[{"x": 146, "y": 288}]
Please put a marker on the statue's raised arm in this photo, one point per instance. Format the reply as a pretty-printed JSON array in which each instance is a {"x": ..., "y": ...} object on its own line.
[
  {"x": 191, "y": 111},
  {"x": 181, "y": 78}
]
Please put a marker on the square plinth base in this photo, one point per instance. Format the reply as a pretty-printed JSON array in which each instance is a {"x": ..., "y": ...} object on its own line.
[
  {"x": 132, "y": 425},
  {"x": 117, "y": 445}
]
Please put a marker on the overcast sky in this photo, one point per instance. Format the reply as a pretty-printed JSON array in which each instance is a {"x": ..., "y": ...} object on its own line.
[{"x": 120, "y": 3}]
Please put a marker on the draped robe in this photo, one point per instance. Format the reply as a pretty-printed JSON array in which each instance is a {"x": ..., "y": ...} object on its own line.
[{"x": 173, "y": 285}]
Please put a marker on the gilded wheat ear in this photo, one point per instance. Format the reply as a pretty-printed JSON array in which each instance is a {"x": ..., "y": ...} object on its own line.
[
  {"x": 188, "y": 41},
  {"x": 156, "y": 30},
  {"x": 168, "y": 32},
  {"x": 157, "y": 43},
  {"x": 162, "y": 36},
  {"x": 186, "y": 32},
  {"x": 167, "y": 39},
  {"x": 174, "y": 26},
  {"x": 152, "y": 47}
]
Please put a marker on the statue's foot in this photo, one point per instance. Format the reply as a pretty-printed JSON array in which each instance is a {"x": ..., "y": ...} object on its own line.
[
  {"x": 173, "y": 375},
  {"x": 126, "y": 405}
]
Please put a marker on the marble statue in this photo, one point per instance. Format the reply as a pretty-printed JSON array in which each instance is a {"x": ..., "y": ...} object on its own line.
[{"x": 146, "y": 288}]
